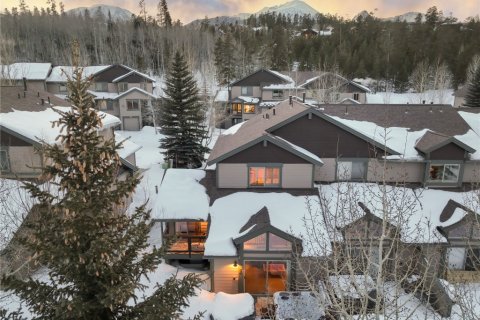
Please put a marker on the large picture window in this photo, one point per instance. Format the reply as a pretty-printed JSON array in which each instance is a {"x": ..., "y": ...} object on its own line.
[
  {"x": 266, "y": 277},
  {"x": 444, "y": 173},
  {"x": 256, "y": 244},
  {"x": 237, "y": 108},
  {"x": 264, "y": 176},
  {"x": 275, "y": 243},
  {"x": 249, "y": 108}
]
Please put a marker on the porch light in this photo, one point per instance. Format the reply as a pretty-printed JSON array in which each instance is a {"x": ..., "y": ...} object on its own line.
[{"x": 235, "y": 264}]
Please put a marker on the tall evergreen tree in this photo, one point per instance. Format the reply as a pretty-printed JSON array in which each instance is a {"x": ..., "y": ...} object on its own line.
[
  {"x": 473, "y": 91},
  {"x": 183, "y": 118},
  {"x": 163, "y": 15},
  {"x": 95, "y": 252}
]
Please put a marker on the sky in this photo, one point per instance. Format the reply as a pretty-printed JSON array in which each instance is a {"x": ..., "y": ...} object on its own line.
[{"x": 188, "y": 10}]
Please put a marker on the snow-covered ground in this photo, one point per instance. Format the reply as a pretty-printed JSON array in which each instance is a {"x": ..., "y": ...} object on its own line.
[{"x": 150, "y": 153}]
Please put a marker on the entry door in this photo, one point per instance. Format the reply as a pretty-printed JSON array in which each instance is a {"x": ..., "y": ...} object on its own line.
[{"x": 265, "y": 277}]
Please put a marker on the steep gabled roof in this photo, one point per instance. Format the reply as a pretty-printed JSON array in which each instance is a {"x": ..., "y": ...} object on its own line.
[
  {"x": 281, "y": 77},
  {"x": 431, "y": 141},
  {"x": 143, "y": 75}
]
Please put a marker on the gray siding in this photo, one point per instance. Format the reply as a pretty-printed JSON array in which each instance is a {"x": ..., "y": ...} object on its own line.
[
  {"x": 471, "y": 172},
  {"x": 264, "y": 154},
  {"x": 326, "y": 173},
  {"x": 297, "y": 176},
  {"x": 400, "y": 171},
  {"x": 225, "y": 276},
  {"x": 232, "y": 175}
]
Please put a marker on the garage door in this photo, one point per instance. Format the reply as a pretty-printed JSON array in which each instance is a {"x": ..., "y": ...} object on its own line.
[{"x": 131, "y": 123}]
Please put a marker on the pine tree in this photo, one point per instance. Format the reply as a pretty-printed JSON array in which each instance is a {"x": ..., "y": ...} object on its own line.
[
  {"x": 473, "y": 91},
  {"x": 95, "y": 252},
  {"x": 183, "y": 118},
  {"x": 163, "y": 15}
]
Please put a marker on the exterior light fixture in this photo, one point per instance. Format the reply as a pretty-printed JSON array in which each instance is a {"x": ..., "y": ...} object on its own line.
[{"x": 235, "y": 264}]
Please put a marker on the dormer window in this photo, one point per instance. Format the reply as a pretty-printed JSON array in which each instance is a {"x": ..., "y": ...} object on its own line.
[{"x": 444, "y": 173}]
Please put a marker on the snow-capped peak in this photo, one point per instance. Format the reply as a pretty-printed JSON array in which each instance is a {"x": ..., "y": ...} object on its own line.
[
  {"x": 117, "y": 13},
  {"x": 291, "y": 8}
]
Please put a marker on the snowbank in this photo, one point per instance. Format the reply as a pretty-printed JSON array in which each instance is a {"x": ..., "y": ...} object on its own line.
[
  {"x": 221, "y": 306},
  {"x": 435, "y": 96},
  {"x": 150, "y": 154}
]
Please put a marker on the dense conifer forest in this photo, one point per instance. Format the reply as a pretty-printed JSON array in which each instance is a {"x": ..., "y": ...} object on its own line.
[{"x": 361, "y": 47}]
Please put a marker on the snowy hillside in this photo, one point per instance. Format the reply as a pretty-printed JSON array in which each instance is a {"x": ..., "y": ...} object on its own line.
[
  {"x": 408, "y": 17},
  {"x": 117, "y": 13},
  {"x": 290, "y": 8}
]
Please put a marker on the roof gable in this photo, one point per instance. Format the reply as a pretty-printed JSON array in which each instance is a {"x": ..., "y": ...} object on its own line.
[
  {"x": 261, "y": 77},
  {"x": 431, "y": 141},
  {"x": 110, "y": 73}
]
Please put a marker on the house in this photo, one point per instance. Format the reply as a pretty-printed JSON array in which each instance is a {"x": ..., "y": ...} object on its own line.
[
  {"x": 460, "y": 95},
  {"x": 328, "y": 87},
  {"x": 117, "y": 89},
  {"x": 30, "y": 75},
  {"x": 26, "y": 122},
  {"x": 259, "y": 90}
]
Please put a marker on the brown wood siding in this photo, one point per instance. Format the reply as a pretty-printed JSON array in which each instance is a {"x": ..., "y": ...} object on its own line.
[
  {"x": 260, "y": 154},
  {"x": 7, "y": 139},
  {"x": 111, "y": 73},
  {"x": 449, "y": 152},
  {"x": 261, "y": 77},
  {"x": 324, "y": 139}
]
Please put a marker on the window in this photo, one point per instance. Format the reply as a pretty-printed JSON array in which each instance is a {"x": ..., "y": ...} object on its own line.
[
  {"x": 467, "y": 259},
  {"x": 356, "y": 96},
  {"x": 247, "y": 91},
  {"x": 237, "y": 108},
  {"x": 143, "y": 86},
  {"x": 351, "y": 170},
  {"x": 277, "y": 94},
  {"x": 109, "y": 105},
  {"x": 62, "y": 88},
  {"x": 102, "y": 104},
  {"x": 444, "y": 173},
  {"x": 264, "y": 176},
  {"x": 256, "y": 244},
  {"x": 275, "y": 243},
  {"x": 249, "y": 108},
  {"x": 101, "y": 86},
  {"x": 4, "y": 164},
  {"x": 266, "y": 277},
  {"x": 132, "y": 105},
  {"x": 122, "y": 86}
]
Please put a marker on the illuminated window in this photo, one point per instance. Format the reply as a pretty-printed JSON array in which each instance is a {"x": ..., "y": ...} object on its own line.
[
  {"x": 275, "y": 243},
  {"x": 444, "y": 173},
  {"x": 256, "y": 244},
  {"x": 237, "y": 108},
  {"x": 264, "y": 176},
  {"x": 249, "y": 108}
]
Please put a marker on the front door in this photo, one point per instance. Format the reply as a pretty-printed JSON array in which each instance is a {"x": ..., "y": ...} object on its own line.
[{"x": 265, "y": 277}]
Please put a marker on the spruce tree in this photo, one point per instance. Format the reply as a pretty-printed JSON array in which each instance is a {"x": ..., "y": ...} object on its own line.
[
  {"x": 163, "y": 15},
  {"x": 95, "y": 252},
  {"x": 473, "y": 91},
  {"x": 183, "y": 118}
]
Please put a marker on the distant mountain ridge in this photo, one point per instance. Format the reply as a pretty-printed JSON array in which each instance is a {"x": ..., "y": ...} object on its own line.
[
  {"x": 117, "y": 13},
  {"x": 290, "y": 8}
]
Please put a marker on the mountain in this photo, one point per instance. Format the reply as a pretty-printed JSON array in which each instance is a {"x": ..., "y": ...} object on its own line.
[
  {"x": 290, "y": 8},
  {"x": 117, "y": 13},
  {"x": 408, "y": 17}
]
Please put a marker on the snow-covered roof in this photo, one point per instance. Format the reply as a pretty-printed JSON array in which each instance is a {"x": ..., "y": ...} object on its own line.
[
  {"x": 283, "y": 76},
  {"x": 222, "y": 95},
  {"x": 28, "y": 70},
  {"x": 268, "y": 104},
  {"x": 301, "y": 150},
  {"x": 59, "y": 73},
  {"x": 128, "y": 147},
  {"x": 181, "y": 196},
  {"x": 415, "y": 211},
  {"x": 132, "y": 71},
  {"x": 472, "y": 137},
  {"x": 281, "y": 86},
  {"x": 233, "y": 129},
  {"x": 430, "y": 96},
  {"x": 37, "y": 126},
  {"x": 353, "y": 286},
  {"x": 101, "y": 95},
  {"x": 248, "y": 99},
  {"x": 230, "y": 213}
]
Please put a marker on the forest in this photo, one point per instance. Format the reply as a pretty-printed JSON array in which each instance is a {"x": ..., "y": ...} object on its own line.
[{"x": 361, "y": 47}]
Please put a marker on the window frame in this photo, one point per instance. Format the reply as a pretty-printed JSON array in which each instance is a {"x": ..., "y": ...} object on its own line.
[
  {"x": 101, "y": 86},
  {"x": 277, "y": 94},
  {"x": 362, "y": 161},
  {"x": 237, "y": 108},
  {"x": 132, "y": 101},
  {"x": 288, "y": 271},
  {"x": 251, "y": 107},
  {"x": 4, "y": 151},
  {"x": 278, "y": 166},
  {"x": 62, "y": 88},
  {"x": 356, "y": 96},
  {"x": 443, "y": 164},
  {"x": 267, "y": 234},
  {"x": 122, "y": 86}
]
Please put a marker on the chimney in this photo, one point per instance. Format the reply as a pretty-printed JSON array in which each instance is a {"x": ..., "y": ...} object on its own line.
[
  {"x": 273, "y": 111},
  {"x": 290, "y": 100},
  {"x": 423, "y": 101},
  {"x": 303, "y": 97},
  {"x": 24, "y": 94},
  {"x": 43, "y": 102},
  {"x": 38, "y": 94},
  {"x": 19, "y": 96},
  {"x": 48, "y": 99},
  {"x": 267, "y": 116},
  {"x": 24, "y": 84}
]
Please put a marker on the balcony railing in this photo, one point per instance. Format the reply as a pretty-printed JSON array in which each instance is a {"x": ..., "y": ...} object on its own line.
[{"x": 187, "y": 245}]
